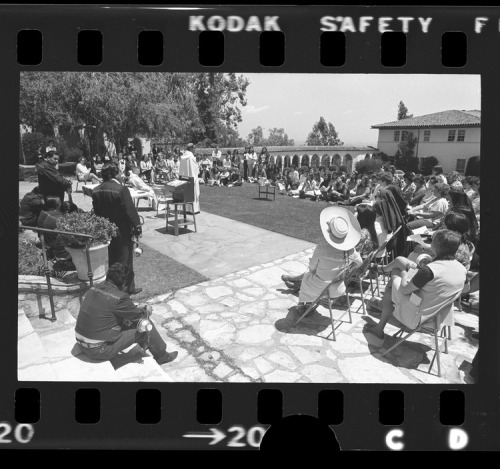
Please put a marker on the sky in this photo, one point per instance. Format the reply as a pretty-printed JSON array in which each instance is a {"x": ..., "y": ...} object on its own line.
[{"x": 351, "y": 102}]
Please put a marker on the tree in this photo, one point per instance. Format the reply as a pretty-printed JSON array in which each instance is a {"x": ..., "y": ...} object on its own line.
[
  {"x": 404, "y": 157},
  {"x": 403, "y": 111},
  {"x": 278, "y": 138},
  {"x": 256, "y": 137},
  {"x": 428, "y": 163},
  {"x": 368, "y": 166},
  {"x": 323, "y": 134}
]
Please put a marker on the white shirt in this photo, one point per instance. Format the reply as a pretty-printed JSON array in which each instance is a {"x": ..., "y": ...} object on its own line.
[
  {"x": 216, "y": 154},
  {"x": 81, "y": 170}
]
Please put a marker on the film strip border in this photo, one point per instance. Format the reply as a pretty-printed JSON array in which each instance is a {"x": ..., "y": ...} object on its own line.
[
  {"x": 271, "y": 48},
  {"x": 213, "y": 422},
  {"x": 61, "y": 414}
]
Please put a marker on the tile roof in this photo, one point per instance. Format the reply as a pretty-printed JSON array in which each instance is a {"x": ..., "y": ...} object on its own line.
[
  {"x": 452, "y": 118},
  {"x": 308, "y": 149}
]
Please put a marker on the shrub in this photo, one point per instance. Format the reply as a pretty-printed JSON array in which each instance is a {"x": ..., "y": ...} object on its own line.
[
  {"x": 29, "y": 260},
  {"x": 100, "y": 228},
  {"x": 343, "y": 169},
  {"x": 428, "y": 163},
  {"x": 333, "y": 168},
  {"x": 32, "y": 141},
  {"x": 368, "y": 166}
]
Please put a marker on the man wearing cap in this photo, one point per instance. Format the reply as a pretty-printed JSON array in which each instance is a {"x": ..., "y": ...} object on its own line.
[
  {"x": 342, "y": 232},
  {"x": 189, "y": 167},
  {"x": 50, "y": 181}
]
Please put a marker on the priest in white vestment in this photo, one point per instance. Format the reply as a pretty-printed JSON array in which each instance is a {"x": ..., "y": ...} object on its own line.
[{"x": 189, "y": 167}]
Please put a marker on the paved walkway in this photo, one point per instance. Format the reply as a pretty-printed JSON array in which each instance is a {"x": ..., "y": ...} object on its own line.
[{"x": 236, "y": 326}]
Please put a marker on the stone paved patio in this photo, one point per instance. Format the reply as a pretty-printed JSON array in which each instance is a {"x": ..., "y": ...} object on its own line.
[{"x": 236, "y": 328}]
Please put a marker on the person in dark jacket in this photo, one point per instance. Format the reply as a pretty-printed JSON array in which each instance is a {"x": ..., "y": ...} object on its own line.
[
  {"x": 50, "y": 181},
  {"x": 108, "y": 319},
  {"x": 113, "y": 201},
  {"x": 30, "y": 207}
]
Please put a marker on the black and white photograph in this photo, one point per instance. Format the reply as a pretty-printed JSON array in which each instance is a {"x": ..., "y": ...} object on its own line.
[{"x": 249, "y": 227}]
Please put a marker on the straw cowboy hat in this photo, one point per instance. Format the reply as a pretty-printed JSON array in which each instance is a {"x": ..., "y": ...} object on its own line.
[{"x": 340, "y": 227}]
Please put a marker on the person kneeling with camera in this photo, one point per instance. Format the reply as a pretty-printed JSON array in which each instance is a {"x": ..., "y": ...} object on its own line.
[{"x": 109, "y": 322}]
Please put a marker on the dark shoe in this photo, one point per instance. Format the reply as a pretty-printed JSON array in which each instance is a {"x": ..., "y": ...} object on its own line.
[
  {"x": 371, "y": 329},
  {"x": 292, "y": 285},
  {"x": 135, "y": 292},
  {"x": 166, "y": 358}
]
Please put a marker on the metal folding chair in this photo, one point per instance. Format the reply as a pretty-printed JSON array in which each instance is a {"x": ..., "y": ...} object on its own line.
[
  {"x": 326, "y": 292},
  {"x": 385, "y": 257},
  {"x": 433, "y": 325}
]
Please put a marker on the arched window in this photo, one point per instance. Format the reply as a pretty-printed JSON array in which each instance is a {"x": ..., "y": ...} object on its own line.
[
  {"x": 348, "y": 162},
  {"x": 296, "y": 161},
  {"x": 286, "y": 161},
  {"x": 305, "y": 160},
  {"x": 279, "y": 161},
  {"x": 325, "y": 160},
  {"x": 337, "y": 161},
  {"x": 315, "y": 160}
]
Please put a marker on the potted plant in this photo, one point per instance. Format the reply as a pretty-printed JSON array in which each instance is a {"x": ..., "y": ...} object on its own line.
[{"x": 101, "y": 229}]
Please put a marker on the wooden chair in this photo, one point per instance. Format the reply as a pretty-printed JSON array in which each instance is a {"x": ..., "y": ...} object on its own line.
[{"x": 439, "y": 325}]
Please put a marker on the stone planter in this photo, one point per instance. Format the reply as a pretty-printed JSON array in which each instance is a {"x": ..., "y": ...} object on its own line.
[{"x": 98, "y": 261}]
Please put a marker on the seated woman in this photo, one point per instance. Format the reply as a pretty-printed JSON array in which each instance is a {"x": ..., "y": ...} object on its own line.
[
  {"x": 147, "y": 168},
  {"x": 362, "y": 192},
  {"x": 309, "y": 188},
  {"x": 342, "y": 233},
  {"x": 454, "y": 221},
  {"x": 162, "y": 169},
  {"x": 135, "y": 181},
  {"x": 431, "y": 213},
  {"x": 435, "y": 284},
  {"x": 367, "y": 217},
  {"x": 30, "y": 207},
  {"x": 52, "y": 211},
  {"x": 84, "y": 174},
  {"x": 337, "y": 190},
  {"x": 214, "y": 179},
  {"x": 98, "y": 166},
  {"x": 420, "y": 190},
  {"x": 409, "y": 187},
  {"x": 224, "y": 177}
]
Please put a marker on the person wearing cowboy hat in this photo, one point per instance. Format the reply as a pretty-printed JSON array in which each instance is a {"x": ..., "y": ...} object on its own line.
[{"x": 342, "y": 232}]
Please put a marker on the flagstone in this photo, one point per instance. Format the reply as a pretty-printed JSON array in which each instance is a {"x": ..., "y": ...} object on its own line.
[
  {"x": 173, "y": 325},
  {"x": 219, "y": 337},
  {"x": 283, "y": 304},
  {"x": 177, "y": 307},
  {"x": 250, "y": 371},
  {"x": 348, "y": 344},
  {"x": 256, "y": 308},
  {"x": 322, "y": 374},
  {"x": 238, "y": 378},
  {"x": 306, "y": 356},
  {"x": 281, "y": 358},
  {"x": 267, "y": 277},
  {"x": 369, "y": 369},
  {"x": 239, "y": 283},
  {"x": 222, "y": 370},
  {"x": 254, "y": 291},
  {"x": 195, "y": 299},
  {"x": 217, "y": 292},
  {"x": 280, "y": 376},
  {"x": 209, "y": 308},
  {"x": 256, "y": 334},
  {"x": 191, "y": 318},
  {"x": 301, "y": 339},
  {"x": 242, "y": 297},
  {"x": 263, "y": 365},
  {"x": 250, "y": 353},
  {"x": 229, "y": 302}
]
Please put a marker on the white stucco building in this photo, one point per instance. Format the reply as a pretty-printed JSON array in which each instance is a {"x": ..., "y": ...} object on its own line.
[{"x": 453, "y": 137}]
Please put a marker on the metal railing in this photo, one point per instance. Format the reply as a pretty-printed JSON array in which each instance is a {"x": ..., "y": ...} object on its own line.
[{"x": 41, "y": 232}]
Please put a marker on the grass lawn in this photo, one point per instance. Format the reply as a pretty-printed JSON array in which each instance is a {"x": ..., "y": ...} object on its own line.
[
  {"x": 298, "y": 218},
  {"x": 157, "y": 274}
]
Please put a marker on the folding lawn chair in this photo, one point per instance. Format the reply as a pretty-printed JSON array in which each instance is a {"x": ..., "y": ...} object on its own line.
[
  {"x": 326, "y": 292},
  {"x": 439, "y": 322}
]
